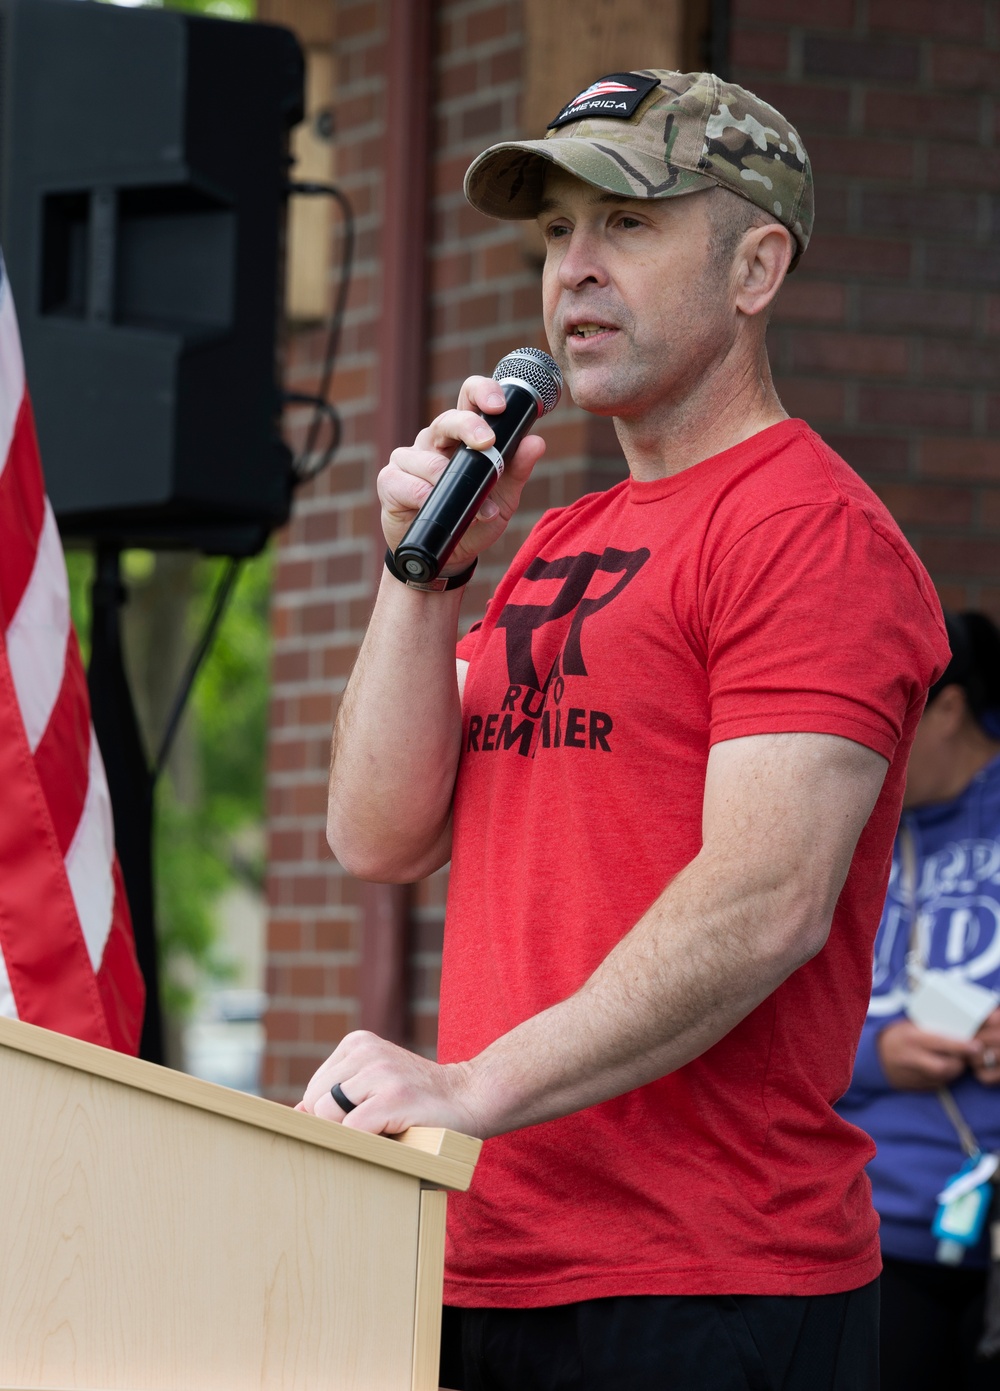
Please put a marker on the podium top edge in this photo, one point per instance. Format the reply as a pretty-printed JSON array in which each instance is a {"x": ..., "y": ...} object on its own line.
[{"x": 440, "y": 1157}]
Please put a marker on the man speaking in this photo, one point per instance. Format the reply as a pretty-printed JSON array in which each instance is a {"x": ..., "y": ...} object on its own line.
[{"x": 665, "y": 889}]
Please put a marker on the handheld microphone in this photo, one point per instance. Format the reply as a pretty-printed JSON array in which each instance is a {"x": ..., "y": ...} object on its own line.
[{"x": 532, "y": 384}]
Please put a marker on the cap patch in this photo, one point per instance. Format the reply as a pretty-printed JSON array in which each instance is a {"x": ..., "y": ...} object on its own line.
[{"x": 615, "y": 96}]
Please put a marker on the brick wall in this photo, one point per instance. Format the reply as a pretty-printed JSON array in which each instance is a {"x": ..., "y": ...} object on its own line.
[{"x": 887, "y": 338}]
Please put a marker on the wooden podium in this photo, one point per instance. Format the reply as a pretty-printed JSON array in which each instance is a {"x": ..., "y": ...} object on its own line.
[{"x": 160, "y": 1233}]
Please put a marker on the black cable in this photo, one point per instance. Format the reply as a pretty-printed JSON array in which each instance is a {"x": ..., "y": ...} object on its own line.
[
  {"x": 220, "y": 599},
  {"x": 324, "y": 407}
]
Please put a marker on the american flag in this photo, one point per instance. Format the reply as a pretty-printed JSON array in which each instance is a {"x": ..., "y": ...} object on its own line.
[
  {"x": 67, "y": 957},
  {"x": 606, "y": 87}
]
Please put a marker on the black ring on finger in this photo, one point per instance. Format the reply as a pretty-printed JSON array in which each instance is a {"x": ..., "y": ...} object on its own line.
[{"x": 344, "y": 1102}]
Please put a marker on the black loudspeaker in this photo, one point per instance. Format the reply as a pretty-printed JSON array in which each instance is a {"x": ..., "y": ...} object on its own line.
[{"x": 143, "y": 172}]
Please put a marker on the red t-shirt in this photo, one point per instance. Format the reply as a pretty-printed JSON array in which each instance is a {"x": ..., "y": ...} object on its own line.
[{"x": 763, "y": 590}]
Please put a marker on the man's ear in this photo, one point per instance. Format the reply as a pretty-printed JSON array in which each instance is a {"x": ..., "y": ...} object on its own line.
[{"x": 762, "y": 262}]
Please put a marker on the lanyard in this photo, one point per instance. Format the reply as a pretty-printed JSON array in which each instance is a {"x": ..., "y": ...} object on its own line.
[{"x": 916, "y": 962}]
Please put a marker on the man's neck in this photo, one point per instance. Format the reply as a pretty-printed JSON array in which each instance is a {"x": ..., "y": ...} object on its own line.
[{"x": 723, "y": 412}]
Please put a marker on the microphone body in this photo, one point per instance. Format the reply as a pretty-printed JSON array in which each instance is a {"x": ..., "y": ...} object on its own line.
[{"x": 531, "y": 388}]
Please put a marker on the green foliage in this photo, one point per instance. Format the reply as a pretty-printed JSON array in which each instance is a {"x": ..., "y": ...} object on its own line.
[
  {"x": 80, "y": 568},
  {"x": 190, "y": 873},
  {"x": 221, "y": 9},
  {"x": 201, "y": 850},
  {"x": 231, "y": 694}
]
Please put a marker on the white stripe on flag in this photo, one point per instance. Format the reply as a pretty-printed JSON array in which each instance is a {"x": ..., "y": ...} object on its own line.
[
  {"x": 38, "y": 632},
  {"x": 11, "y": 369},
  {"x": 89, "y": 860},
  {"x": 8, "y": 1009}
]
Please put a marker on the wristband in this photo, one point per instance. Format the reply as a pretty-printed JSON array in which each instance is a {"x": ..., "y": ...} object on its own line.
[{"x": 438, "y": 586}]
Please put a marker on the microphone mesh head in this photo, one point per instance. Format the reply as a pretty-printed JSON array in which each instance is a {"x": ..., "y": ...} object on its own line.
[{"x": 536, "y": 370}]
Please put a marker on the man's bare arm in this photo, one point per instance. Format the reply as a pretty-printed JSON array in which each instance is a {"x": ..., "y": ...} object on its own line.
[
  {"x": 396, "y": 740},
  {"x": 782, "y": 815}
]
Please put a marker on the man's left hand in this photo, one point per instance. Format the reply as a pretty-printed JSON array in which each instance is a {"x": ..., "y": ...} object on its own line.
[
  {"x": 392, "y": 1089},
  {"x": 987, "y": 1067}
]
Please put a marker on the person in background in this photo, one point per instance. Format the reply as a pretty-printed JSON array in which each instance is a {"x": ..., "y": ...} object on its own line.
[{"x": 924, "y": 1098}]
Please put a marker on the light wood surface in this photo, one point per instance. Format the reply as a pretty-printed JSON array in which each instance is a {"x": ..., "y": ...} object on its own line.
[
  {"x": 430, "y": 1289},
  {"x": 436, "y": 1156},
  {"x": 163, "y": 1234}
]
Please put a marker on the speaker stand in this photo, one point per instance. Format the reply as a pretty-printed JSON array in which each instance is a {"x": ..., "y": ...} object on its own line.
[{"x": 130, "y": 779}]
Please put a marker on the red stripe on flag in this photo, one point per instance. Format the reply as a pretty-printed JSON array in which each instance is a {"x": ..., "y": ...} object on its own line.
[
  {"x": 61, "y": 759},
  {"x": 119, "y": 980},
  {"x": 50, "y": 973},
  {"x": 22, "y": 511}
]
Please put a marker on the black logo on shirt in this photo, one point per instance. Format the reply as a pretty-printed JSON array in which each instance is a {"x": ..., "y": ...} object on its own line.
[{"x": 531, "y": 714}]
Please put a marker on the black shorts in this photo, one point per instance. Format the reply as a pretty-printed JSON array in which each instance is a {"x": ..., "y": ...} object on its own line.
[
  {"x": 932, "y": 1319},
  {"x": 668, "y": 1343}
]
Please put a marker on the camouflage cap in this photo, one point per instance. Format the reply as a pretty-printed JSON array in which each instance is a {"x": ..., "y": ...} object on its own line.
[{"x": 653, "y": 133}]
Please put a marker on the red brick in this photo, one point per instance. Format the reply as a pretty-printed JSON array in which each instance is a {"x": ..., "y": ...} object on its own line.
[
  {"x": 956, "y": 596},
  {"x": 482, "y": 122},
  {"x": 331, "y": 935},
  {"x": 288, "y": 667},
  {"x": 989, "y": 508},
  {"x": 807, "y": 105},
  {"x": 970, "y": 165},
  {"x": 282, "y": 1025},
  {"x": 314, "y": 710},
  {"x": 879, "y": 59},
  {"x": 284, "y": 934},
  {"x": 973, "y": 459},
  {"x": 504, "y": 259},
  {"x": 964, "y": 67},
  {"x": 915, "y": 407},
  {"x": 458, "y": 79},
  {"x": 963, "y": 264},
  {"x": 818, "y": 402},
  {"x": 758, "y": 50},
  {"x": 860, "y": 256},
  {"x": 958, "y": 359},
  {"x": 315, "y": 528},
  {"x": 872, "y": 455},
  {"x": 924, "y": 504},
  {"x": 425, "y": 1032},
  {"x": 907, "y": 113},
  {"x": 308, "y": 799},
  {"x": 343, "y": 569},
  {"x": 861, "y": 157},
  {"x": 919, "y": 213},
  {"x": 965, "y": 555},
  {"x": 944, "y": 311},
  {"x": 833, "y": 14},
  {"x": 810, "y": 301},
  {"x": 957, "y": 19},
  {"x": 504, "y": 67},
  {"x": 491, "y": 23},
  {"x": 855, "y": 354},
  {"x": 992, "y": 308},
  {"x": 328, "y": 1027},
  {"x": 477, "y": 312},
  {"x": 359, "y": 110},
  {"x": 292, "y": 575},
  {"x": 338, "y": 661},
  {"x": 373, "y": 61}
]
